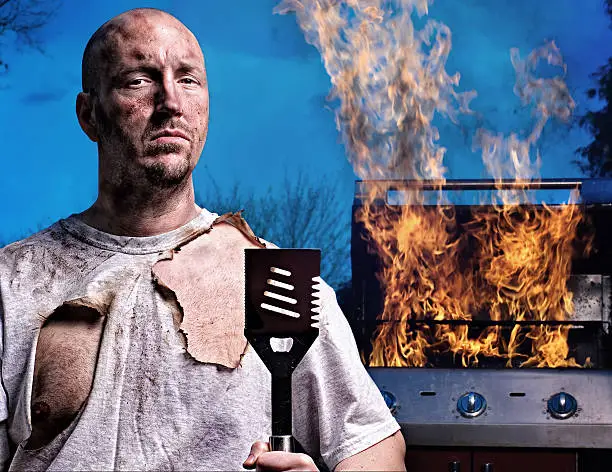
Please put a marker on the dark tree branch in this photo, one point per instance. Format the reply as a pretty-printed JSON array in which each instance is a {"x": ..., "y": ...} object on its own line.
[
  {"x": 26, "y": 18},
  {"x": 596, "y": 157},
  {"x": 299, "y": 213}
]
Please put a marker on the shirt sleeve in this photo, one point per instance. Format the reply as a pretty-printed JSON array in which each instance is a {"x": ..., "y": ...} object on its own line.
[
  {"x": 5, "y": 453},
  {"x": 338, "y": 410}
]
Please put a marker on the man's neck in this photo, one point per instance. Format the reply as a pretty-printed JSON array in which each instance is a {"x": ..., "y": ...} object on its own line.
[{"x": 142, "y": 215}]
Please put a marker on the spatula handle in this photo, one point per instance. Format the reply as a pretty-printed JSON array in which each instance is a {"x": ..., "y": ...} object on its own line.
[{"x": 282, "y": 443}]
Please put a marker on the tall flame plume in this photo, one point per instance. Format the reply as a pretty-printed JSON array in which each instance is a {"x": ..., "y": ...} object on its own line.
[{"x": 389, "y": 82}]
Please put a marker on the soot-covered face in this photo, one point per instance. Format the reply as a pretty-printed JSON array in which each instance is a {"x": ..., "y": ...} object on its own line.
[{"x": 151, "y": 110}]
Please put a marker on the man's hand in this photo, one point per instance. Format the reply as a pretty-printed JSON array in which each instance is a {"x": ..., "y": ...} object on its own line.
[{"x": 276, "y": 461}]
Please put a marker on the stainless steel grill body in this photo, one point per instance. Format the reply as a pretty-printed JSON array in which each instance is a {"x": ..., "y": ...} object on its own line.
[{"x": 427, "y": 401}]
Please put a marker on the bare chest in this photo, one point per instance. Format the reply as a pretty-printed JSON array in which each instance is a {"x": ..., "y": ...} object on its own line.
[{"x": 65, "y": 363}]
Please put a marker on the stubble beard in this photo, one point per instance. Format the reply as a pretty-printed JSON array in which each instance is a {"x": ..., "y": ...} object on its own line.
[
  {"x": 127, "y": 171},
  {"x": 164, "y": 175}
]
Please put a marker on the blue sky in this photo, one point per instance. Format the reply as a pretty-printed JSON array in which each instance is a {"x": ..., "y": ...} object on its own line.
[{"x": 267, "y": 90}]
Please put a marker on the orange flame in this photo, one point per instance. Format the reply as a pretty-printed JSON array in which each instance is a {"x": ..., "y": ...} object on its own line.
[{"x": 389, "y": 81}]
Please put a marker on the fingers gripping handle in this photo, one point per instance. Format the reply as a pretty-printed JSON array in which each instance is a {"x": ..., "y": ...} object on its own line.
[{"x": 283, "y": 443}]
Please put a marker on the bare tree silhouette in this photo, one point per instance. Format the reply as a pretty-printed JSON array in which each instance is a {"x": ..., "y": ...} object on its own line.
[
  {"x": 596, "y": 157},
  {"x": 300, "y": 212},
  {"x": 25, "y": 18}
]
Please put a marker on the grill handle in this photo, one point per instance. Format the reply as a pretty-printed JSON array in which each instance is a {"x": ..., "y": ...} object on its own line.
[
  {"x": 591, "y": 190},
  {"x": 362, "y": 186}
]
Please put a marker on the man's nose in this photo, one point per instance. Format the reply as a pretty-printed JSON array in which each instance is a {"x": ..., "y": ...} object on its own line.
[{"x": 169, "y": 99}]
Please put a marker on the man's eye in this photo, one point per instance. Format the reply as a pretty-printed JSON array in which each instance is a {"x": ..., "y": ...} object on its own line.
[
  {"x": 135, "y": 83},
  {"x": 189, "y": 80}
]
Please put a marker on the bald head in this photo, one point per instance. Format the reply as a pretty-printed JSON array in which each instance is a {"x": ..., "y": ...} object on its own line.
[
  {"x": 145, "y": 102},
  {"x": 100, "y": 47}
]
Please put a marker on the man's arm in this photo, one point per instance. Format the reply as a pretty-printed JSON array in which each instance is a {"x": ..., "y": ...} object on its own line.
[
  {"x": 5, "y": 454},
  {"x": 387, "y": 455}
]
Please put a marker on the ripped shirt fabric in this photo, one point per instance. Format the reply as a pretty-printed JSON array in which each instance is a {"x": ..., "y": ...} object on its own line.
[{"x": 125, "y": 353}]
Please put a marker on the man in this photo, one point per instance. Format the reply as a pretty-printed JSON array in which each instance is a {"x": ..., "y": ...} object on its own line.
[{"x": 123, "y": 344}]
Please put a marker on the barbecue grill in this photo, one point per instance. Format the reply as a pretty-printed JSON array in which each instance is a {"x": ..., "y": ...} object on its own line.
[{"x": 493, "y": 402}]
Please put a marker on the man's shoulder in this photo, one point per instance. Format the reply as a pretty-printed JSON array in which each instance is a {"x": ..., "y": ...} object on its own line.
[
  {"x": 42, "y": 237},
  {"x": 30, "y": 249},
  {"x": 235, "y": 225}
]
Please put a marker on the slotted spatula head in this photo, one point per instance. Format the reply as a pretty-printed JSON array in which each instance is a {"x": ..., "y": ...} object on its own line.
[{"x": 282, "y": 297}]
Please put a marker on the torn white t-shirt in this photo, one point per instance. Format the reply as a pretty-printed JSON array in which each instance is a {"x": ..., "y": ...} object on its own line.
[{"x": 152, "y": 405}]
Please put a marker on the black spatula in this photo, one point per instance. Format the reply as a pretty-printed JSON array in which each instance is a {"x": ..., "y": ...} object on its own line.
[{"x": 282, "y": 308}]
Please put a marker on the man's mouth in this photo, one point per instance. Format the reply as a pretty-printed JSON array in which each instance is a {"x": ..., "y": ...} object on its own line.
[
  {"x": 170, "y": 136},
  {"x": 169, "y": 139}
]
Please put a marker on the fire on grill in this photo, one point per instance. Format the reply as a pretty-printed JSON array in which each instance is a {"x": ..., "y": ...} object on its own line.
[{"x": 502, "y": 283}]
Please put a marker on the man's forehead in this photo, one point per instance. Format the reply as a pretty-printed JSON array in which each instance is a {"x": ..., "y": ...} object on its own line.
[
  {"x": 141, "y": 37},
  {"x": 145, "y": 18}
]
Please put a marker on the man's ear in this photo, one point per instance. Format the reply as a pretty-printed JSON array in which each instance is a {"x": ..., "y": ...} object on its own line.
[{"x": 86, "y": 115}]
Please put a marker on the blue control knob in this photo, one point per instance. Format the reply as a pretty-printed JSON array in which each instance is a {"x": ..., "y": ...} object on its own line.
[
  {"x": 471, "y": 404},
  {"x": 390, "y": 400},
  {"x": 562, "y": 405}
]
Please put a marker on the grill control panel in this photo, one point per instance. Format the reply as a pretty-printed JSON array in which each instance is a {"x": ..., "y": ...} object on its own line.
[{"x": 539, "y": 408}]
